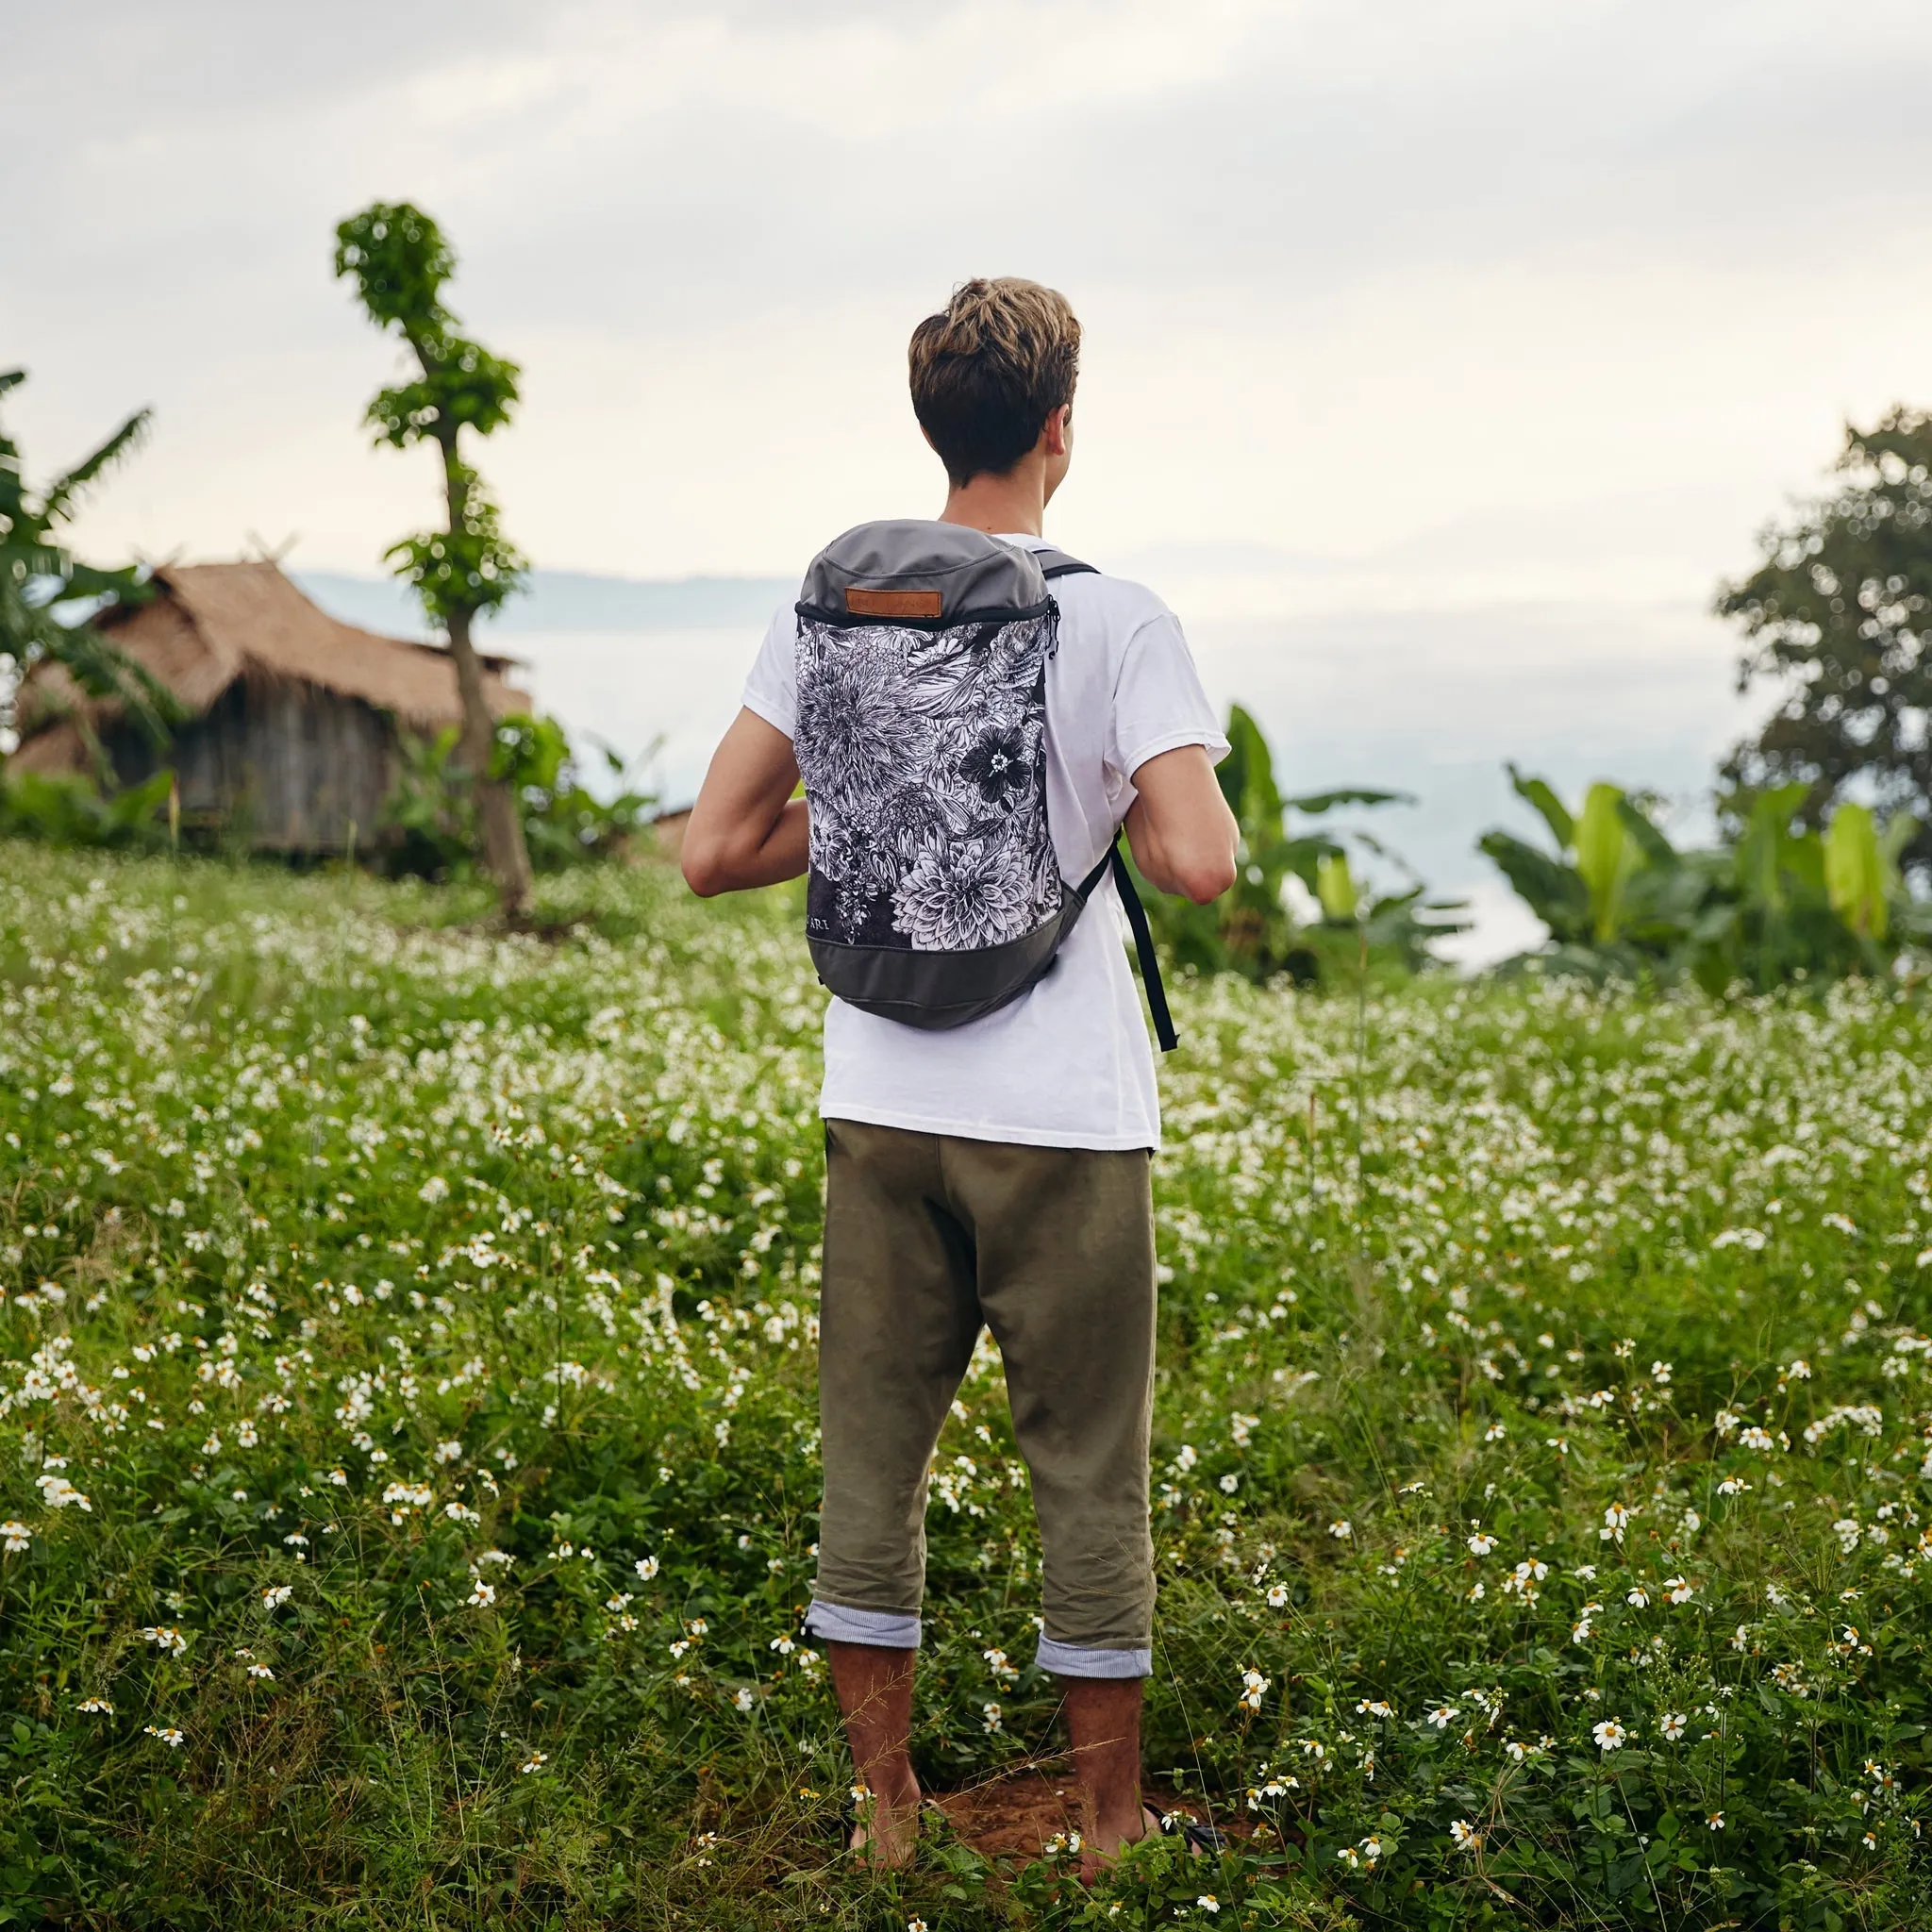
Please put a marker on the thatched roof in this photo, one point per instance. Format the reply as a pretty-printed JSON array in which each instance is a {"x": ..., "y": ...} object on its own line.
[{"x": 214, "y": 623}]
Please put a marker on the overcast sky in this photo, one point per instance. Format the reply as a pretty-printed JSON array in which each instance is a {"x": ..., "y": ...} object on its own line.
[
  {"x": 1440, "y": 358},
  {"x": 1409, "y": 303}
]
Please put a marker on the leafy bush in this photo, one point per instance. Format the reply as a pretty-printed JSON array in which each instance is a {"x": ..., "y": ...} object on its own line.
[
  {"x": 1779, "y": 901},
  {"x": 68, "y": 810},
  {"x": 409, "y": 1473},
  {"x": 1250, "y": 930},
  {"x": 430, "y": 821}
]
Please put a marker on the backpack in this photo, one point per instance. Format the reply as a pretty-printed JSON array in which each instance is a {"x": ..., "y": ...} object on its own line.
[{"x": 934, "y": 896}]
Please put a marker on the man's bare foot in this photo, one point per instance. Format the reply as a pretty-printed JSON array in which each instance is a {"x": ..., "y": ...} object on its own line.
[
  {"x": 887, "y": 1828},
  {"x": 1098, "y": 1855}
]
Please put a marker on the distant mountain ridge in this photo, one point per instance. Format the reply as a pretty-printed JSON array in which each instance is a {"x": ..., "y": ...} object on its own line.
[{"x": 562, "y": 600}]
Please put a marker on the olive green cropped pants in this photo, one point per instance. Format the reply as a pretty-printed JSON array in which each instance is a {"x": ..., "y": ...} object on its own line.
[{"x": 927, "y": 1238}]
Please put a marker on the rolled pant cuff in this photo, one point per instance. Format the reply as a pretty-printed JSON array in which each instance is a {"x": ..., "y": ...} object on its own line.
[
  {"x": 838, "y": 1624},
  {"x": 1078, "y": 1660}
]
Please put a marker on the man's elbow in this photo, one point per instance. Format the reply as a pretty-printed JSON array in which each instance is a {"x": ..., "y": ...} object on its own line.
[
  {"x": 705, "y": 868},
  {"x": 1204, "y": 879}
]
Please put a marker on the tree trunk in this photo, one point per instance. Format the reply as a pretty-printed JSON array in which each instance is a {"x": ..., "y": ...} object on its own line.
[{"x": 504, "y": 851}]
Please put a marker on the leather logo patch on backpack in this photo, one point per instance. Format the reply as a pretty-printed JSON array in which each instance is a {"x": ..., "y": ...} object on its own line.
[{"x": 893, "y": 602}]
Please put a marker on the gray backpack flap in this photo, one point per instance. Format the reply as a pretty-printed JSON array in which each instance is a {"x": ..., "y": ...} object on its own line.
[{"x": 934, "y": 894}]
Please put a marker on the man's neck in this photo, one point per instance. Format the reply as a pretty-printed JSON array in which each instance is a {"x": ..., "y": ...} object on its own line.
[{"x": 1012, "y": 505}]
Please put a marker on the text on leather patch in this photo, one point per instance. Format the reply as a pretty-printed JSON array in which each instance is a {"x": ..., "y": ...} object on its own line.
[{"x": 893, "y": 603}]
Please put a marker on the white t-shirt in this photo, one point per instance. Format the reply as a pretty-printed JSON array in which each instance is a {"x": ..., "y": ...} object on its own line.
[{"x": 1068, "y": 1064}]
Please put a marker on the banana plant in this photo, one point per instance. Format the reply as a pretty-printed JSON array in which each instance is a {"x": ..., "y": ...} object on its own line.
[
  {"x": 1249, "y": 929},
  {"x": 1335, "y": 889},
  {"x": 1615, "y": 892},
  {"x": 1861, "y": 871},
  {"x": 1609, "y": 857},
  {"x": 47, "y": 594},
  {"x": 1778, "y": 901},
  {"x": 1399, "y": 929}
]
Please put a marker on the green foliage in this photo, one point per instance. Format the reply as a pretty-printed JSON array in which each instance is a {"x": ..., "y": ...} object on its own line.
[
  {"x": 47, "y": 594},
  {"x": 1835, "y": 616},
  {"x": 1780, "y": 901},
  {"x": 399, "y": 261},
  {"x": 1335, "y": 889},
  {"x": 1162, "y": 1881},
  {"x": 471, "y": 389},
  {"x": 66, "y": 810},
  {"x": 430, "y": 821},
  {"x": 1861, "y": 877},
  {"x": 464, "y": 1289},
  {"x": 1249, "y": 930},
  {"x": 469, "y": 567},
  {"x": 1607, "y": 854}
]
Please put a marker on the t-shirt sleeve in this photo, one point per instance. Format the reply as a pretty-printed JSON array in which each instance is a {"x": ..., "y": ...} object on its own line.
[
  {"x": 1158, "y": 704},
  {"x": 772, "y": 689}
]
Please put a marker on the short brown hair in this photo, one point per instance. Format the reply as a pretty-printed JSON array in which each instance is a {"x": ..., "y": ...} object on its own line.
[{"x": 989, "y": 369}]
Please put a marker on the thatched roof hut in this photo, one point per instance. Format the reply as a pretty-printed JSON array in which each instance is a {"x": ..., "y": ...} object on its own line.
[{"x": 292, "y": 737}]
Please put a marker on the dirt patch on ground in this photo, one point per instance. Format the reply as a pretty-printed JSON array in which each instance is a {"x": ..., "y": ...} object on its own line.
[{"x": 1013, "y": 1817}]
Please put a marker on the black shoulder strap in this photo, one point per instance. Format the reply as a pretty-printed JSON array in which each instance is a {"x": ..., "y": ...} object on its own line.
[
  {"x": 1057, "y": 563},
  {"x": 1144, "y": 951},
  {"x": 1144, "y": 938}
]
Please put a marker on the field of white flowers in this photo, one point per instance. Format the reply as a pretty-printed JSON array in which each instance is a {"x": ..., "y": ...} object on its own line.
[{"x": 407, "y": 1463}]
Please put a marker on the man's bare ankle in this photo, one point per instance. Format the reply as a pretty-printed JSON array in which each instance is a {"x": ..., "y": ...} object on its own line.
[
  {"x": 893, "y": 1783},
  {"x": 1118, "y": 1826}
]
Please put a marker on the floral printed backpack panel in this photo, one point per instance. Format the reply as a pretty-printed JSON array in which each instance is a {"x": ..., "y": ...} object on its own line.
[{"x": 934, "y": 896}]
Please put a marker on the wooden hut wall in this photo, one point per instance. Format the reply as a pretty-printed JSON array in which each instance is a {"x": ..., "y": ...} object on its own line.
[{"x": 284, "y": 764}]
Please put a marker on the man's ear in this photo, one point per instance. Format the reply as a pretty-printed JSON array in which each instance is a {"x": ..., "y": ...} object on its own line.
[{"x": 1058, "y": 428}]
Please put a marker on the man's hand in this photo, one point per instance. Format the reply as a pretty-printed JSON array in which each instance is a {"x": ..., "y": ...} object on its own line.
[
  {"x": 1181, "y": 832},
  {"x": 746, "y": 828}
]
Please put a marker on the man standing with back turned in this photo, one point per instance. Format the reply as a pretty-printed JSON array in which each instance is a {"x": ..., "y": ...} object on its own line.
[{"x": 989, "y": 1102}]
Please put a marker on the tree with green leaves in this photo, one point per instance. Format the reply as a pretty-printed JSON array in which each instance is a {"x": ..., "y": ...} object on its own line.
[
  {"x": 1839, "y": 614},
  {"x": 399, "y": 262},
  {"x": 47, "y": 594}
]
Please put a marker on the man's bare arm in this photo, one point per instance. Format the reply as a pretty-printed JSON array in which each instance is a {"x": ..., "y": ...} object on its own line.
[
  {"x": 746, "y": 828},
  {"x": 1182, "y": 834}
]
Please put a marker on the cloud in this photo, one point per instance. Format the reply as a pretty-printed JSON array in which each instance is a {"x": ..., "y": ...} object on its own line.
[{"x": 1353, "y": 277}]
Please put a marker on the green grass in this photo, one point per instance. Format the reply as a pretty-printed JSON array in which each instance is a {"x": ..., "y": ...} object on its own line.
[{"x": 462, "y": 1289}]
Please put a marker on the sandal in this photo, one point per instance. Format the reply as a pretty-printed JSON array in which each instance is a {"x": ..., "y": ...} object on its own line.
[{"x": 1201, "y": 1839}]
